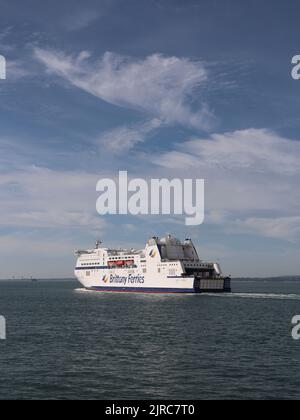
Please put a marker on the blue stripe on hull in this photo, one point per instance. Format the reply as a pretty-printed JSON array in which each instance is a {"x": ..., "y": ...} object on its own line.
[
  {"x": 140, "y": 290},
  {"x": 93, "y": 267}
]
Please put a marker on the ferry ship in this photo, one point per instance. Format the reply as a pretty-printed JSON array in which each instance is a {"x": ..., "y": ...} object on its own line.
[{"x": 165, "y": 266}]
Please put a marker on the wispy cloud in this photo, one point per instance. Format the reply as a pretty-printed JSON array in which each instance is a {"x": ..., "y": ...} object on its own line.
[
  {"x": 46, "y": 214},
  {"x": 258, "y": 150},
  {"x": 5, "y": 32},
  {"x": 41, "y": 198},
  {"x": 122, "y": 139},
  {"x": 18, "y": 69},
  {"x": 278, "y": 228},
  {"x": 246, "y": 172},
  {"x": 249, "y": 190},
  {"x": 159, "y": 86},
  {"x": 81, "y": 19}
]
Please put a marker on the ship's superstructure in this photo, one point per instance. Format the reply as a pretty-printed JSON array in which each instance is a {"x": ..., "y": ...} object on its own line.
[{"x": 165, "y": 266}]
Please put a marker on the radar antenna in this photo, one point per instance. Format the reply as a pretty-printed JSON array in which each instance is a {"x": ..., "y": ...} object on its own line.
[{"x": 98, "y": 243}]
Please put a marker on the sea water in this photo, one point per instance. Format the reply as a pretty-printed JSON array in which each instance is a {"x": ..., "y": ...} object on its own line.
[{"x": 64, "y": 343}]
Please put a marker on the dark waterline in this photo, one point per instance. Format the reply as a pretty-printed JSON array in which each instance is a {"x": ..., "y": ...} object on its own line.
[{"x": 67, "y": 344}]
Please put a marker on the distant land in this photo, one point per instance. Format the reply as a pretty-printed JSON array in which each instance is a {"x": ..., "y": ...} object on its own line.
[
  {"x": 37, "y": 279},
  {"x": 280, "y": 278}
]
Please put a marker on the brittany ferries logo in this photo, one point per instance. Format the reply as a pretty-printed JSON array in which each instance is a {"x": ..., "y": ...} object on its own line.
[
  {"x": 105, "y": 279},
  {"x": 153, "y": 253},
  {"x": 117, "y": 279}
]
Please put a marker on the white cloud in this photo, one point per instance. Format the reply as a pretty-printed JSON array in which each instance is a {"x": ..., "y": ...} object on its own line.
[
  {"x": 253, "y": 150},
  {"x": 122, "y": 139},
  {"x": 17, "y": 69},
  {"x": 41, "y": 198},
  {"x": 44, "y": 216},
  {"x": 249, "y": 172},
  {"x": 159, "y": 86},
  {"x": 281, "y": 227},
  {"x": 246, "y": 191},
  {"x": 176, "y": 159}
]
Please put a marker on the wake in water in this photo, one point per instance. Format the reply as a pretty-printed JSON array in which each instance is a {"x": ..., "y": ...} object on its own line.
[
  {"x": 223, "y": 295},
  {"x": 258, "y": 296},
  {"x": 82, "y": 290}
]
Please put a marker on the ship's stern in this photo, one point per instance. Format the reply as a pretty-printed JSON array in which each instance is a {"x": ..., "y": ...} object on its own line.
[{"x": 215, "y": 285}]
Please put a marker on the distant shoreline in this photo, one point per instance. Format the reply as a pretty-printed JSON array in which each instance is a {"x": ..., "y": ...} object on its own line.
[
  {"x": 37, "y": 279},
  {"x": 278, "y": 278}
]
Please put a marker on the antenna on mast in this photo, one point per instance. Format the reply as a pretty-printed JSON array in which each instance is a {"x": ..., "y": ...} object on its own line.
[{"x": 98, "y": 243}]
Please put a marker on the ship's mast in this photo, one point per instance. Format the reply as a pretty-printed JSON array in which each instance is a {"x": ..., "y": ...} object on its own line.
[{"x": 98, "y": 244}]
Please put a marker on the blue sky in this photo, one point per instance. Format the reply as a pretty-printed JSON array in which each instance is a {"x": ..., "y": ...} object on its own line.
[{"x": 166, "y": 88}]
